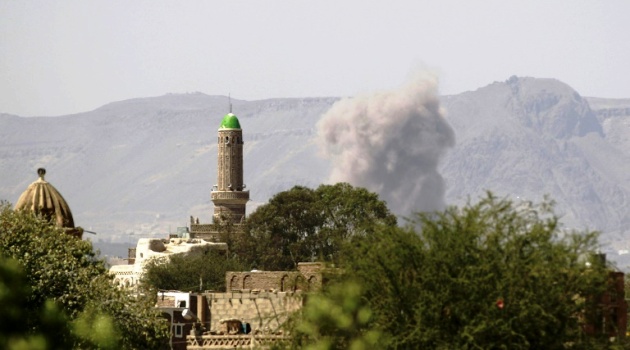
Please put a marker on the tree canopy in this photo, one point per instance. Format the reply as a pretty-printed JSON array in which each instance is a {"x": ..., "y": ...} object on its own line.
[
  {"x": 304, "y": 224},
  {"x": 191, "y": 272},
  {"x": 297, "y": 225},
  {"x": 61, "y": 272},
  {"x": 490, "y": 275}
]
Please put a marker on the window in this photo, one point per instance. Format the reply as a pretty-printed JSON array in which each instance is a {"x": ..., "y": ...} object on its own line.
[
  {"x": 182, "y": 303},
  {"x": 247, "y": 282},
  {"x": 311, "y": 282},
  {"x": 283, "y": 283},
  {"x": 178, "y": 330},
  {"x": 299, "y": 283}
]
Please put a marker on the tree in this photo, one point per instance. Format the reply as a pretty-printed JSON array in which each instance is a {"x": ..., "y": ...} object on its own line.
[
  {"x": 337, "y": 318},
  {"x": 491, "y": 275},
  {"x": 190, "y": 272},
  {"x": 303, "y": 224},
  {"x": 63, "y": 270},
  {"x": 15, "y": 334}
]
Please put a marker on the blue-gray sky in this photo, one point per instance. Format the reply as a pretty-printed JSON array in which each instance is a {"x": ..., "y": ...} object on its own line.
[{"x": 61, "y": 57}]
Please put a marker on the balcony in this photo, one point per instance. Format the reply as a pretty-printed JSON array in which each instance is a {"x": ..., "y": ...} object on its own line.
[{"x": 238, "y": 195}]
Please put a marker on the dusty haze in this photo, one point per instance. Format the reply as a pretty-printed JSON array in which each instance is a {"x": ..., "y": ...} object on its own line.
[{"x": 391, "y": 143}]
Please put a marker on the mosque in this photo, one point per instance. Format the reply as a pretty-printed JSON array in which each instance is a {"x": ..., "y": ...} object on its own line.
[
  {"x": 260, "y": 300},
  {"x": 42, "y": 198},
  {"x": 256, "y": 303},
  {"x": 229, "y": 197}
]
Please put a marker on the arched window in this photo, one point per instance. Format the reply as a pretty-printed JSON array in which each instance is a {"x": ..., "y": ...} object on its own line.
[
  {"x": 283, "y": 283},
  {"x": 312, "y": 282},
  {"x": 247, "y": 282},
  {"x": 234, "y": 283},
  {"x": 300, "y": 283}
]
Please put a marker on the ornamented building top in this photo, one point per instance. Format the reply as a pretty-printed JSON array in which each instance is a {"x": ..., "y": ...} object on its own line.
[{"x": 42, "y": 198}]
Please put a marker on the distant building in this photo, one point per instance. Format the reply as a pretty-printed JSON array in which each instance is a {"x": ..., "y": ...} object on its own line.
[
  {"x": 42, "y": 198},
  {"x": 240, "y": 317},
  {"x": 172, "y": 305},
  {"x": 155, "y": 248},
  {"x": 228, "y": 195},
  {"x": 609, "y": 316},
  {"x": 256, "y": 303},
  {"x": 308, "y": 277}
]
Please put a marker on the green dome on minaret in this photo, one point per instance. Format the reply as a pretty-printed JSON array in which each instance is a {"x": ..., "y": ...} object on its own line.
[{"x": 230, "y": 121}]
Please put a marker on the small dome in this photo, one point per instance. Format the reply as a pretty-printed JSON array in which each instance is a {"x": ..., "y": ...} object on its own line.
[
  {"x": 230, "y": 121},
  {"x": 42, "y": 198}
]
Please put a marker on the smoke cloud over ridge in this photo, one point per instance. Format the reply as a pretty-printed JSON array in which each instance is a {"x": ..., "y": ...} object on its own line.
[{"x": 390, "y": 143}]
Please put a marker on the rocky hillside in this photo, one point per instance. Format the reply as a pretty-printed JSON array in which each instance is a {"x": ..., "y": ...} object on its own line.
[
  {"x": 529, "y": 137},
  {"x": 143, "y": 166}
]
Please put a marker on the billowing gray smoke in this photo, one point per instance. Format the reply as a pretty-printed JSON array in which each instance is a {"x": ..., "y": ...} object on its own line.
[{"x": 390, "y": 143}]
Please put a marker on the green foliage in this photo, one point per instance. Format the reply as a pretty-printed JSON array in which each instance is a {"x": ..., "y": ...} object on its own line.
[
  {"x": 491, "y": 275},
  {"x": 66, "y": 284},
  {"x": 57, "y": 265},
  {"x": 190, "y": 272},
  {"x": 18, "y": 320},
  {"x": 97, "y": 330},
  {"x": 338, "y": 318},
  {"x": 134, "y": 316},
  {"x": 302, "y": 224}
]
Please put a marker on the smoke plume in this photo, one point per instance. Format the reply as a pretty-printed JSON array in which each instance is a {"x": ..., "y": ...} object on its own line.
[{"x": 390, "y": 143}]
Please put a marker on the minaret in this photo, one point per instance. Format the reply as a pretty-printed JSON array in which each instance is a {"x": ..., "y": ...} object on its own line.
[{"x": 229, "y": 195}]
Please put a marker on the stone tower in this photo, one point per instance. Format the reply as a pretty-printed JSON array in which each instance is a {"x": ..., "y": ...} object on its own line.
[{"x": 229, "y": 195}]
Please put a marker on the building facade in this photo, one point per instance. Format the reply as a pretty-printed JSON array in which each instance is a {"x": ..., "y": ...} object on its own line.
[{"x": 128, "y": 276}]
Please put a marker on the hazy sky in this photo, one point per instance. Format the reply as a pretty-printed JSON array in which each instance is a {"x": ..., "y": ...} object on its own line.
[{"x": 60, "y": 57}]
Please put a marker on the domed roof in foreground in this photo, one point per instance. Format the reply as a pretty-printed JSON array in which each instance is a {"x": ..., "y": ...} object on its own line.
[
  {"x": 43, "y": 199},
  {"x": 230, "y": 121}
]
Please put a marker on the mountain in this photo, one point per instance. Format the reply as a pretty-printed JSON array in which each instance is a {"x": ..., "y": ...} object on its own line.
[
  {"x": 140, "y": 166},
  {"x": 143, "y": 166},
  {"x": 529, "y": 137}
]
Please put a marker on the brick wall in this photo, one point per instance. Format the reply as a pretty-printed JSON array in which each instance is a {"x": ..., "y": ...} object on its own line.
[
  {"x": 307, "y": 278},
  {"x": 264, "y": 311}
]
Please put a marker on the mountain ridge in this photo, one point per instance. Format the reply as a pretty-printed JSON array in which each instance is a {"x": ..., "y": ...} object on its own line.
[{"x": 139, "y": 166}]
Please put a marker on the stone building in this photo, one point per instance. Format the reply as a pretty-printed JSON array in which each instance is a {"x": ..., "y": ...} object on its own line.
[
  {"x": 228, "y": 194},
  {"x": 239, "y": 317},
  {"x": 173, "y": 305},
  {"x": 212, "y": 321},
  {"x": 42, "y": 198},
  {"x": 609, "y": 317},
  {"x": 256, "y": 304},
  {"x": 308, "y": 277},
  {"x": 128, "y": 276}
]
